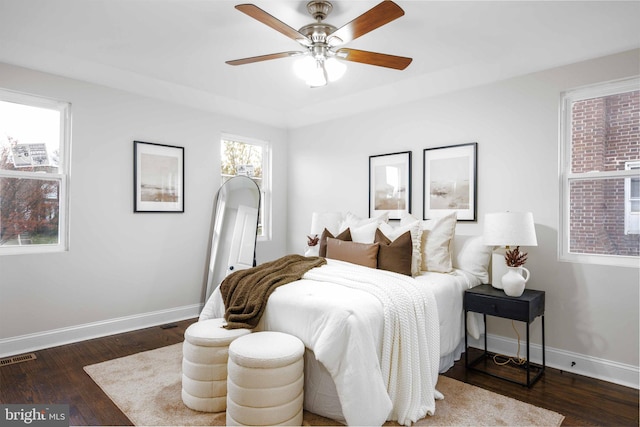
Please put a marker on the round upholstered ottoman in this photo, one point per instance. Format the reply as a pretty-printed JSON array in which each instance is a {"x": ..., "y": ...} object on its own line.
[
  {"x": 204, "y": 364},
  {"x": 265, "y": 380}
]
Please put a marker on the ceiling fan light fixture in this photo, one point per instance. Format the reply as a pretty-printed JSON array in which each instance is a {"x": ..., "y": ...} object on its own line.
[
  {"x": 335, "y": 69},
  {"x": 319, "y": 71},
  {"x": 311, "y": 70},
  {"x": 306, "y": 68}
]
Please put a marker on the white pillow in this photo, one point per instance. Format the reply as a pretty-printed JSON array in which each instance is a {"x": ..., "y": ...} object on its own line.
[
  {"x": 313, "y": 250},
  {"x": 329, "y": 220},
  {"x": 352, "y": 220},
  {"x": 435, "y": 244},
  {"x": 416, "y": 231},
  {"x": 363, "y": 230},
  {"x": 406, "y": 218},
  {"x": 472, "y": 255},
  {"x": 364, "y": 233}
]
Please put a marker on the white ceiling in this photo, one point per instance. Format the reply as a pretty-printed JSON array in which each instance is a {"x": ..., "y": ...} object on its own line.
[{"x": 175, "y": 49}]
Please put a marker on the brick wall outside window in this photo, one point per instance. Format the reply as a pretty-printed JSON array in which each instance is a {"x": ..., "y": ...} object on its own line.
[{"x": 605, "y": 135}]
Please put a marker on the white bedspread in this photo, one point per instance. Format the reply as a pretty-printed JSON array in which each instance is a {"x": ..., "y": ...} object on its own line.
[
  {"x": 376, "y": 333},
  {"x": 448, "y": 290}
]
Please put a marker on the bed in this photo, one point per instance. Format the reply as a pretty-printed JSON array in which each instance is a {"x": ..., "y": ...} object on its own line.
[{"x": 377, "y": 339}]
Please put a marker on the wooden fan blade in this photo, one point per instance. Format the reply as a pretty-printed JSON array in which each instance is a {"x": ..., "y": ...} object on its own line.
[
  {"x": 375, "y": 17},
  {"x": 263, "y": 58},
  {"x": 374, "y": 58},
  {"x": 256, "y": 13}
]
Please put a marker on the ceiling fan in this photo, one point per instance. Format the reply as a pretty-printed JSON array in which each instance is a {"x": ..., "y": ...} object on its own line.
[{"x": 322, "y": 54}]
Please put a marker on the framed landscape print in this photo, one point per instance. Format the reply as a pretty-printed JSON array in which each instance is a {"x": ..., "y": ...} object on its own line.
[
  {"x": 450, "y": 181},
  {"x": 390, "y": 184},
  {"x": 158, "y": 175}
]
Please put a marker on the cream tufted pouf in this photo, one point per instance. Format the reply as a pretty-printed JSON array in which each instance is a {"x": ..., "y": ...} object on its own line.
[
  {"x": 204, "y": 364},
  {"x": 265, "y": 380}
]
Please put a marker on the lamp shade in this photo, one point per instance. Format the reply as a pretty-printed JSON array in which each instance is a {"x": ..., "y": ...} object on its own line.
[{"x": 509, "y": 229}]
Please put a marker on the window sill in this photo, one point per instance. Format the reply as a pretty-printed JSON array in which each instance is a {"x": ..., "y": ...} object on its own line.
[{"x": 610, "y": 260}]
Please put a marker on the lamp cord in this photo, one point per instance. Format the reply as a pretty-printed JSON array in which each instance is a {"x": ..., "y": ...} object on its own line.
[{"x": 508, "y": 359}]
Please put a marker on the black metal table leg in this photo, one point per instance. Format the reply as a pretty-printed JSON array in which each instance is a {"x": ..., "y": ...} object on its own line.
[{"x": 528, "y": 359}]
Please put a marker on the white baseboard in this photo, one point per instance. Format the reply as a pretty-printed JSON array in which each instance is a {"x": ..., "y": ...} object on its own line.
[
  {"x": 602, "y": 369},
  {"x": 53, "y": 338}
]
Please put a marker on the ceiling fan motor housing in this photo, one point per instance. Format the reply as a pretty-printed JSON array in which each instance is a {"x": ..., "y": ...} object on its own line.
[
  {"x": 317, "y": 32},
  {"x": 319, "y": 9}
]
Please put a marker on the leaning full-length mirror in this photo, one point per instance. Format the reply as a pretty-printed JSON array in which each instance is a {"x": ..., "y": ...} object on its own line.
[{"x": 235, "y": 224}]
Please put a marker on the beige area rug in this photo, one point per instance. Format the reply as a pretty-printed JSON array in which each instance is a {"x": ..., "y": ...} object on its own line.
[{"x": 146, "y": 387}]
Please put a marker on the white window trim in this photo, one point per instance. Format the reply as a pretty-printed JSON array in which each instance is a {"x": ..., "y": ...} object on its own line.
[
  {"x": 566, "y": 176},
  {"x": 62, "y": 176},
  {"x": 265, "y": 197},
  {"x": 633, "y": 165}
]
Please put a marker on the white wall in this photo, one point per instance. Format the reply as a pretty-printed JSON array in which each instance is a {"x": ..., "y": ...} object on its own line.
[
  {"x": 124, "y": 270},
  {"x": 592, "y": 311}
]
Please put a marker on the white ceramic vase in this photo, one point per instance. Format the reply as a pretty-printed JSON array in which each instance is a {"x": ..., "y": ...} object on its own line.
[{"x": 513, "y": 282}]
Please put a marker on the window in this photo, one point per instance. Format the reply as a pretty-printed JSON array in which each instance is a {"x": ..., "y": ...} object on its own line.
[
  {"x": 600, "y": 174},
  {"x": 250, "y": 157},
  {"x": 34, "y": 164}
]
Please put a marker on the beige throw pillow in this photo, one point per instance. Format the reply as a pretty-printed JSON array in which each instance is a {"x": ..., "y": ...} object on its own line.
[{"x": 435, "y": 244}]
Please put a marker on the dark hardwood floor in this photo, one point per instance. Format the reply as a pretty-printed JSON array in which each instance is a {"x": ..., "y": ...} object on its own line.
[
  {"x": 56, "y": 376},
  {"x": 582, "y": 400}
]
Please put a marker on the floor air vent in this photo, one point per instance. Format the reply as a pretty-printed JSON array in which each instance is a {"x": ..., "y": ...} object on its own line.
[{"x": 17, "y": 359}]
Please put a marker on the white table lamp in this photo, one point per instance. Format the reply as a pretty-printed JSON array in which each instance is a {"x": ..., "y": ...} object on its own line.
[{"x": 505, "y": 229}]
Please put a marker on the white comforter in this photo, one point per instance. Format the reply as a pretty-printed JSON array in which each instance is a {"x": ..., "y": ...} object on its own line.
[{"x": 342, "y": 312}]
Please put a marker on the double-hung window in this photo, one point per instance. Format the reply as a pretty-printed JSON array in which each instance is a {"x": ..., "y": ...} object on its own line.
[
  {"x": 34, "y": 167},
  {"x": 252, "y": 158},
  {"x": 600, "y": 174}
]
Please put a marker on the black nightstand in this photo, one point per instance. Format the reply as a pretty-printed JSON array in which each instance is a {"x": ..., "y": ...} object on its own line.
[{"x": 487, "y": 300}]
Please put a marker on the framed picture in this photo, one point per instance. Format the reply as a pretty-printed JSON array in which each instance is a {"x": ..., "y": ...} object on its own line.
[
  {"x": 158, "y": 177},
  {"x": 390, "y": 184},
  {"x": 450, "y": 181}
]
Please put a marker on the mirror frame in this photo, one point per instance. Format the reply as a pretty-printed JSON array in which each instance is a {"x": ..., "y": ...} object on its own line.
[{"x": 237, "y": 191}]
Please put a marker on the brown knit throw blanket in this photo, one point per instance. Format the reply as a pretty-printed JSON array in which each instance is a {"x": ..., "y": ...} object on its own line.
[{"x": 245, "y": 292}]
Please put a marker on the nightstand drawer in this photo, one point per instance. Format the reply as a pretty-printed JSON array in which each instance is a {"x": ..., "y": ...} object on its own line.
[
  {"x": 515, "y": 310},
  {"x": 487, "y": 300}
]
